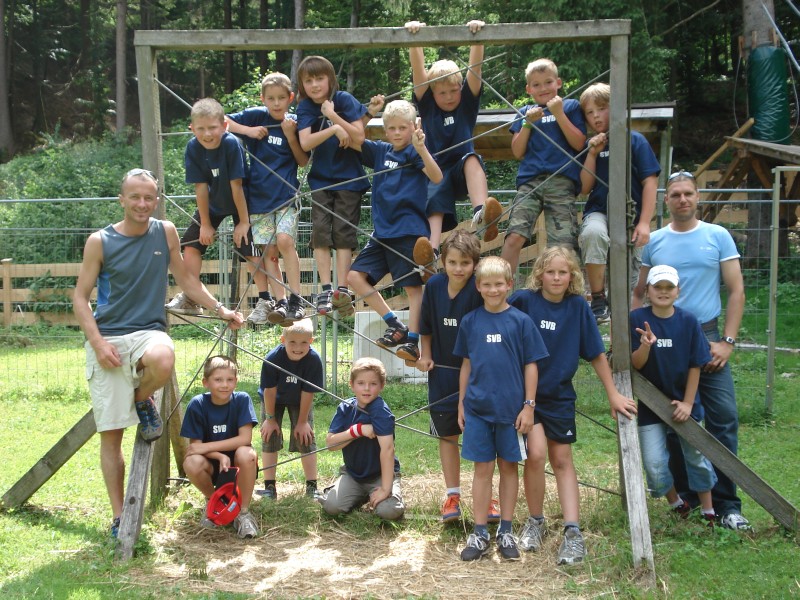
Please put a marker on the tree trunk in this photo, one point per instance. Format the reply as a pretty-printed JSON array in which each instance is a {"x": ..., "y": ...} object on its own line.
[
  {"x": 299, "y": 23},
  {"x": 228, "y": 24},
  {"x": 121, "y": 59},
  {"x": 6, "y": 134},
  {"x": 262, "y": 56},
  {"x": 351, "y": 67},
  {"x": 84, "y": 24}
]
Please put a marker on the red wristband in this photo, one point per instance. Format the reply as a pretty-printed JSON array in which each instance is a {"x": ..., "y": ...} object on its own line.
[
  {"x": 358, "y": 428},
  {"x": 353, "y": 432}
]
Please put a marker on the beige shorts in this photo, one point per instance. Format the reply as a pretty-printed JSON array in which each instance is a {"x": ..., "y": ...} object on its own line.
[{"x": 112, "y": 390}]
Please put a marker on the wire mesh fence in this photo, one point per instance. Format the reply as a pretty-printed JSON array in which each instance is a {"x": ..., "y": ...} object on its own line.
[{"x": 26, "y": 356}]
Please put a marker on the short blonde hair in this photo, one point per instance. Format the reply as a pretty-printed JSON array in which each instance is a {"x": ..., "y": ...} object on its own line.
[
  {"x": 207, "y": 107},
  {"x": 365, "y": 364},
  {"x": 541, "y": 65},
  {"x": 600, "y": 93},
  {"x": 544, "y": 260},
  {"x": 278, "y": 79},
  {"x": 445, "y": 71},
  {"x": 301, "y": 327},
  {"x": 493, "y": 266},
  {"x": 219, "y": 362},
  {"x": 400, "y": 109}
]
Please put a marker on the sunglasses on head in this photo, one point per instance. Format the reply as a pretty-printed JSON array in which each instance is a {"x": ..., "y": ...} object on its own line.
[
  {"x": 145, "y": 172},
  {"x": 677, "y": 174}
]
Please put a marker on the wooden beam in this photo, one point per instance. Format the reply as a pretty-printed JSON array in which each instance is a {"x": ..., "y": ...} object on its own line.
[
  {"x": 133, "y": 506},
  {"x": 739, "y": 133},
  {"x": 179, "y": 444},
  {"x": 379, "y": 37},
  {"x": 159, "y": 470},
  {"x": 46, "y": 467},
  {"x": 722, "y": 458}
]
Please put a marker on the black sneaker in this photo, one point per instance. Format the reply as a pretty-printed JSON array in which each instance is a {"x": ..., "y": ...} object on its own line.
[
  {"x": 269, "y": 492},
  {"x": 393, "y": 336},
  {"x": 278, "y": 314},
  {"x": 324, "y": 302},
  {"x": 311, "y": 489},
  {"x": 507, "y": 546},
  {"x": 477, "y": 546},
  {"x": 295, "y": 310},
  {"x": 600, "y": 310}
]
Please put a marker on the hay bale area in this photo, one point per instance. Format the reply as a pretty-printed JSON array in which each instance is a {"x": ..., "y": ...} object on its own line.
[{"x": 303, "y": 553}]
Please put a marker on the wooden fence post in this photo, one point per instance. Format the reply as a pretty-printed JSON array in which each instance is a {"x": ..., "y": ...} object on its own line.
[{"x": 7, "y": 310}]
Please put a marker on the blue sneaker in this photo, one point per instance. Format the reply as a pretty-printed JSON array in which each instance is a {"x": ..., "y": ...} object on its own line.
[
  {"x": 150, "y": 424},
  {"x": 115, "y": 528}
]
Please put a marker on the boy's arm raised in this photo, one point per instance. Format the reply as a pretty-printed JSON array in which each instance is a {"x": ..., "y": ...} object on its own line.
[
  {"x": 475, "y": 59},
  {"x": 431, "y": 169},
  {"x": 575, "y": 137},
  {"x": 416, "y": 55}
]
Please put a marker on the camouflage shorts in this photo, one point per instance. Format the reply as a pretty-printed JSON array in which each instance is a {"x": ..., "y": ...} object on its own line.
[{"x": 556, "y": 197}]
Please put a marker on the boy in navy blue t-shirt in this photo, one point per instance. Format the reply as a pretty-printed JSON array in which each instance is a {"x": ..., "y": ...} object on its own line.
[
  {"x": 290, "y": 376},
  {"x": 549, "y": 176},
  {"x": 363, "y": 429},
  {"x": 498, "y": 344},
  {"x": 403, "y": 166},
  {"x": 219, "y": 425},
  {"x": 669, "y": 349},
  {"x": 216, "y": 164},
  {"x": 270, "y": 135}
]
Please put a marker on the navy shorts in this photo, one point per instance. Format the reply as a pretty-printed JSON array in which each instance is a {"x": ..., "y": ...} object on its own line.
[
  {"x": 484, "y": 441},
  {"x": 375, "y": 260},
  {"x": 191, "y": 238},
  {"x": 559, "y": 430},
  {"x": 217, "y": 477},
  {"x": 445, "y": 423},
  {"x": 442, "y": 196}
]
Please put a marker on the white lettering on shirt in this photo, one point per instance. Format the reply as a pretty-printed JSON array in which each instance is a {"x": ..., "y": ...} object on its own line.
[
  {"x": 449, "y": 121},
  {"x": 494, "y": 338},
  {"x": 551, "y": 325},
  {"x": 219, "y": 428},
  {"x": 664, "y": 343}
]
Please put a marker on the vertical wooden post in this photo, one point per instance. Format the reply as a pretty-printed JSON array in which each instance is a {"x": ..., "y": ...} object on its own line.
[
  {"x": 619, "y": 295},
  {"x": 7, "y": 306}
]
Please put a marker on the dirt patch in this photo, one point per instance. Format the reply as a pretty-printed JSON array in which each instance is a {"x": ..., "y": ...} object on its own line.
[{"x": 302, "y": 553}]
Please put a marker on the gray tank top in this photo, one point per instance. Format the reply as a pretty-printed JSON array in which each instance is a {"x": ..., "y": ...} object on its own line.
[{"x": 132, "y": 284}]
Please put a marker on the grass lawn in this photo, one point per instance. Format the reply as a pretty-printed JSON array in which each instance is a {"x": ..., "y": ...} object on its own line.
[{"x": 57, "y": 545}]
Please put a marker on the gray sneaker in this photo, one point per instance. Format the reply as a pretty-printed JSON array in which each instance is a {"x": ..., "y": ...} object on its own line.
[
  {"x": 530, "y": 539},
  {"x": 245, "y": 524},
  {"x": 181, "y": 305},
  {"x": 736, "y": 522},
  {"x": 260, "y": 312},
  {"x": 278, "y": 313},
  {"x": 572, "y": 549}
]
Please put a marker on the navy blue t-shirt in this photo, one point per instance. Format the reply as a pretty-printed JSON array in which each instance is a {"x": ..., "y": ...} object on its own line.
[
  {"x": 569, "y": 331},
  {"x": 543, "y": 156},
  {"x": 305, "y": 375},
  {"x": 498, "y": 345},
  {"x": 441, "y": 318},
  {"x": 444, "y": 129},
  {"x": 217, "y": 168},
  {"x": 209, "y": 422},
  {"x": 643, "y": 165},
  {"x": 399, "y": 193},
  {"x": 273, "y": 185},
  {"x": 362, "y": 456},
  {"x": 330, "y": 163},
  {"x": 681, "y": 345}
]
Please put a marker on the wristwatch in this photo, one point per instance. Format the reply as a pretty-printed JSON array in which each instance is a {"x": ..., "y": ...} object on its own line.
[
  {"x": 730, "y": 340},
  {"x": 530, "y": 403}
]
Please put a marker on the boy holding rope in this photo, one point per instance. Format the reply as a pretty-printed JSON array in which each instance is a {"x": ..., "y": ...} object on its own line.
[{"x": 546, "y": 141}]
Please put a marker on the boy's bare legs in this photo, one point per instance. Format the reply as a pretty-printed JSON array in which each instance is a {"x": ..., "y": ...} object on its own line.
[
  {"x": 199, "y": 471},
  {"x": 246, "y": 459},
  {"x": 509, "y": 488},
  {"x": 596, "y": 277},
  {"x": 112, "y": 464},
  {"x": 359, "y": 284},
  {"x": 291, "y": 261},
  {"x": 414, "y": 293},
  {"x": 533, "y": 473},
  {"x": 512, "y": 246},
  {"x": 451, "y": 461},
  {"x": 322, "y": 256},
  {"x": 475, "y": 177},
  {"x": 482, "y": 492},
  {"x": 344, "y": 260},
  {"x": 566, "y": 480},
  {"x": 268, "y": 460},
  {"x": 435, "y": 221},
  {"x": 309, "y": 467}
]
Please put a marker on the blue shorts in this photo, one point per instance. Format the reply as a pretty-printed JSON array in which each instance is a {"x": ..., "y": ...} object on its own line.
[
  {"x": 376, "y": 261},
  {"x": 484, "y": 441},
  {"x": 442, "y": 196},
  {"x": 191, "y": 237}
]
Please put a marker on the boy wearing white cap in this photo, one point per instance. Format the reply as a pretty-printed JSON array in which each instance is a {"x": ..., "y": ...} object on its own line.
[{"x": 669, "y": 348}]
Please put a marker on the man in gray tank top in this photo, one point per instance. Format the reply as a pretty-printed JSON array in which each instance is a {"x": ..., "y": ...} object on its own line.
[{"x": 128, "y": 353}]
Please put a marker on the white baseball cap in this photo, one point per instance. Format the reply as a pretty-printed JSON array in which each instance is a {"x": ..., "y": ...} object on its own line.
[{"x": 663, "y": 273}]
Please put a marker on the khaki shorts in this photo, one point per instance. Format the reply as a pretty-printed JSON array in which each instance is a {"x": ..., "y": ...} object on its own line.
[{"x": 112, "y": 390}]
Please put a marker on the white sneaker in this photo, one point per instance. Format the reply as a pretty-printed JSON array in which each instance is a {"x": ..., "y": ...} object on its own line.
[
  {"x": 181, "y": 305},
  {"x": 245, "y": 524},
  {"x": 259, "y": 314},
  {"x": 572, "y": 548},
  {"x": 736, "y": 522}
]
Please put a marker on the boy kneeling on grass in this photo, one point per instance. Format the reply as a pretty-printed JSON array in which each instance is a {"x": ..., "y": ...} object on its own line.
[
  {"x": 363, "y": 428},
  {"x": 219, "y": 425}
]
